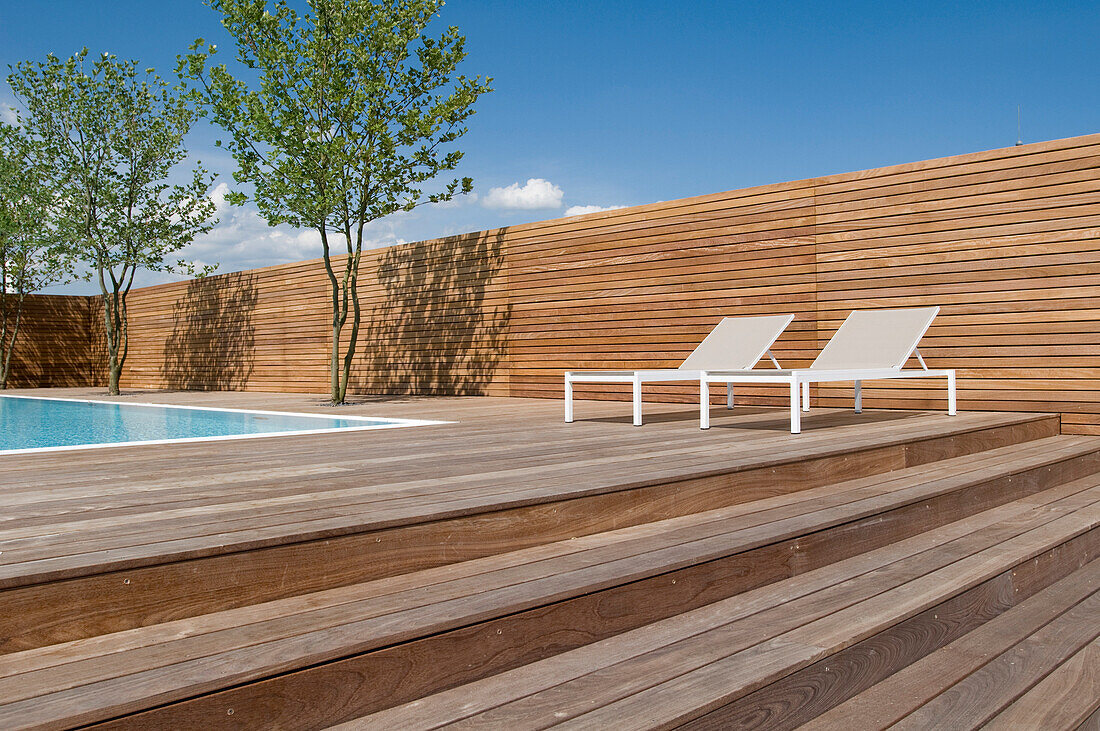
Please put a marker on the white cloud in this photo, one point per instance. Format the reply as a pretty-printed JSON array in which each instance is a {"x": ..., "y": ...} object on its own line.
[
  {"x": 240, "y": 240},
  {"x": 536, "y": 193},
  {"x": 218, "y": 197},
  {"x": 581, "y": 210},
  {"x": 243, "y": 240},
  {"x": 7, "y": 114}
]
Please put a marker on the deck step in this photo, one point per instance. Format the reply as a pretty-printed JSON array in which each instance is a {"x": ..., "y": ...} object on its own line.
[
  {"x": 372, "y": 645},
  {"x": 1035, "y": 666},
  {"x": 767, "y": 658},
  {"x": 71, "y": 569}
]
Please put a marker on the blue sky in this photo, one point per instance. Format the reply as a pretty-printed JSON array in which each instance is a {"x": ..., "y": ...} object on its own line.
[{"x": 616, "y": 103}]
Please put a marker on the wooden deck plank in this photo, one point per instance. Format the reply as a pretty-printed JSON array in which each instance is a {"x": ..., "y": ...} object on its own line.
[
  {"x": 691, "y": 640},
  {"x": 1064, "y": 699},
  {"x": 891, "y": 699},
  {"x": 868, "y": 506},
  {"x": 699, "y": 537},
  {"x": 500, "y": 488},
  {"x": 261, "y": 567},
  {"x": 722, "y": 679},
  {"x": 1092, "y": 723},
  {"x": 980, "y": 696},
  {"x": 565, "y": 442},
  {"x": 279, "y": 651},
  {"x": 223, "y": 518},
  {"x": 745, "y": 515},
  {"x": 182, "y": 669},
  {"x": 141, "y": 535}
]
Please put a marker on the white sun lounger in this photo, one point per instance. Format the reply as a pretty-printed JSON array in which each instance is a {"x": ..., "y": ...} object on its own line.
[
  {"x": 869, "y": 346},
  {"x": 736, "y": 343}
]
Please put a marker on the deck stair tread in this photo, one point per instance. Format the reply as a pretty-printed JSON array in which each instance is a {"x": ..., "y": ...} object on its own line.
[
  {"x": 1035, "y": 666},
  {"x": 671, "y": 672},
  {"x": 1066, "y": 698},
  {"x": 27, "y": 547},
  {"x": 92, "y": 679},
  {"x": 981, "y": 696},
  {"x": 548, "y": 444},
  {"x": 72, "y": 534},
  {"x": 489, "y": 467},
  {"x": 32, "y": 543},
  {"x": 847, "y": 501}
]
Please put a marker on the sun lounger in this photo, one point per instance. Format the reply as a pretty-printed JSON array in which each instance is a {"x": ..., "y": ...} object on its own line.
[
  {"x": 871, "y": 345},
  {"x": 736, "y": 343}
]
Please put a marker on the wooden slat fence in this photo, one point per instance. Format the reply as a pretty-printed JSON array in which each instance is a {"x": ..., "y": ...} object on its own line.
[{"x": 1006, "y": 241}]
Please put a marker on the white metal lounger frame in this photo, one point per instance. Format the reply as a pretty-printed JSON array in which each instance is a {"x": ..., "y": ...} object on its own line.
[
  {"x": 667, "y": 375},
  {"x": 800, "y": 380}
]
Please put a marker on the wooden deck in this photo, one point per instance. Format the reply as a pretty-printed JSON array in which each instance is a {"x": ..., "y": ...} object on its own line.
[{"x": 512, "y": 570}]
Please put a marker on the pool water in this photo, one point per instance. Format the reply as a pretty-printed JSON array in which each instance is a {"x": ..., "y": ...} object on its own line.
[{"x": 35, "y": 423}]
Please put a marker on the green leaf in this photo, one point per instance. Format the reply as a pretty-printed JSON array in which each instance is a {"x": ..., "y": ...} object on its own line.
[
  {"x": 111, "y": 137},
  {"x": 343, "y": 113}
]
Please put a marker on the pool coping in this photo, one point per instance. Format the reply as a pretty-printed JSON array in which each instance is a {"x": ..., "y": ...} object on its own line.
[{"x": 393, "y": 423}]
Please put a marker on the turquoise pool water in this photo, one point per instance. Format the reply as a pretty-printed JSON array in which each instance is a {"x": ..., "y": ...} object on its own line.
[{"x": 37, "y": 423}]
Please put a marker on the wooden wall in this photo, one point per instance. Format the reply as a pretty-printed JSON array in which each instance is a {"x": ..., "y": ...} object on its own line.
[
  {"x": 54, "y": 348},
  {"x": 1006, "y": 241},
  {"x": 435, "y": 318}
]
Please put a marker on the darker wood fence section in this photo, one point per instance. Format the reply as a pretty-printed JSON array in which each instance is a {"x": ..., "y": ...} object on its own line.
[
  {"x": 1007, "y": 242},
  {"x": 54, "y": 347}
]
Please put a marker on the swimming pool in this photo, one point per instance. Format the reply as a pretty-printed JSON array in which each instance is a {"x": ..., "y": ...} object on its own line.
[{"x": 39, "y": 424}]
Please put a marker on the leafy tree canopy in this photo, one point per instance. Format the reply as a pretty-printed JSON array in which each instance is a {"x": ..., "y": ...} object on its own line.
[
  {"x": 341, "y": 115},
  {"x": 114, "y": 136},
  {"x": 31, "y": 255}
]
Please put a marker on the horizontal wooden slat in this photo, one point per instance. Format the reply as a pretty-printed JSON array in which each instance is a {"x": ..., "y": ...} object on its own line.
[{"x": 1006, "y": 241}]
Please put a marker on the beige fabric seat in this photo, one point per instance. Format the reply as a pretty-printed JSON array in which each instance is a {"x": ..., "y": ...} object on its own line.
[
  {"x": 870, "y": 345},
  {"x": 736, "y": 344}
]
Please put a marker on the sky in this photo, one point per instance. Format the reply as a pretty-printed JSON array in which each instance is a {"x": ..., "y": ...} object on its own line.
[{"x": 615, "y": 103}]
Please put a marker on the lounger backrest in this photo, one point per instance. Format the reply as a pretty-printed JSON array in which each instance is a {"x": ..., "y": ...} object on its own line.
[
  {"x": 876, "y": 339},
  {"x": 737, "y": 343}
]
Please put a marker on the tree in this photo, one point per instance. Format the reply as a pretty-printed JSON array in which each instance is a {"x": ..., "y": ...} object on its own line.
[
  {"x": 115, "y": 136},
  {"x": 350, "y": 116},
  {"x": 31, "y": 256}
]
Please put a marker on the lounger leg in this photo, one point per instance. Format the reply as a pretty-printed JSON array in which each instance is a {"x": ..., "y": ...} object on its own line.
[
  {"x": 637, "y": 401},
  {"x": 796, "y": 414},
  {"x": 704, "y": 404},
  {"x": 859, "y": 397},
  {"x": 806, "y": 396},
  {"x": 952, "y": 405},
  {"x": 729, "y": 395},
  {"x": 568, "y": 400}
]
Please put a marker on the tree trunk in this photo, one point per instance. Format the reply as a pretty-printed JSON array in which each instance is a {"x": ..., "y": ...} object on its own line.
[
  {"x": 111, "y": 334},
  {"x": 336, "y": 394},
  {"x": 10, "y": 338},
  {"x": 114, "y": 367},
  {"x": 345, "y": 299},
  {"x": 115, "y": 331},
  {"x": 356, "y": 318},
  {"x": 114, "y": 371}
]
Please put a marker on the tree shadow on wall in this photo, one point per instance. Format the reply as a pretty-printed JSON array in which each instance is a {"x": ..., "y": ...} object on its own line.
[
  {"x": 440, "y": 324},
  {"x": 213, "y": 341}
]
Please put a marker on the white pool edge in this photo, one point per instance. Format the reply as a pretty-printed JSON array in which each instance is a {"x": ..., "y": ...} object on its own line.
[{"x": 394, "y": 423}]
